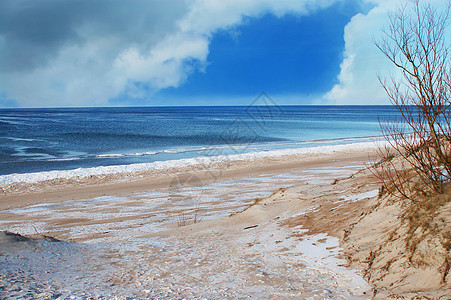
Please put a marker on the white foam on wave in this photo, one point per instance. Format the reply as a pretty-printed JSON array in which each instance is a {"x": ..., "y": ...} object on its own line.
[
  {"x": 64, "y": 159},
  {"x": 112, "y": 155},
  {"x": 180, "y": 163},
  {"x": 22, "y": 139}
]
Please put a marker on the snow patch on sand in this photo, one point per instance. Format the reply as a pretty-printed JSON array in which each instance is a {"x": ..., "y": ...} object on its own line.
[{"x": 361, "y": 196}]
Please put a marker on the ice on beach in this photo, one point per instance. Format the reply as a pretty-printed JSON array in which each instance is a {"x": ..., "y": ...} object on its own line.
[
  {"x": 29, "y": 209},
  {"x": 361, "y": 196},
  {"x": 319, "y": 247}
]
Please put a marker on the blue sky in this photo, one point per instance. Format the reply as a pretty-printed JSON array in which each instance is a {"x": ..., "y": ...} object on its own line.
[
  {"x": 190, "y": 52},
  {"x": 295, "y": 55}
]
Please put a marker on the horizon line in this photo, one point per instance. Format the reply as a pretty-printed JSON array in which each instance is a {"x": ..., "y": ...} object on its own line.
[{"x": 155, "y": 106}]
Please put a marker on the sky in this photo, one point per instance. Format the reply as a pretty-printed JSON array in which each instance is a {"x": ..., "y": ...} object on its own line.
[{"x": 66, "y": 53}]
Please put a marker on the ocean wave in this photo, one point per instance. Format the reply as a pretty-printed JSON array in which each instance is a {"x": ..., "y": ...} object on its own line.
[
  {"x": 180, "y": 163},
  {"x": 112, "y": 155},
  {"x": 22, "y": 139},
  {"x": 12, "y": 121},
  {"x": 64, "y": 159},
  {"x": 200, "y": 149}
]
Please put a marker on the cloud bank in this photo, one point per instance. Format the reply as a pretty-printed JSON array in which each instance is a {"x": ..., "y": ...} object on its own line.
[
  {"x": 63, "y": 53},
  {"x": 362, "y": 61},
  {"x": 73, "y": 53},
  {"x": 91, "y": 52}
]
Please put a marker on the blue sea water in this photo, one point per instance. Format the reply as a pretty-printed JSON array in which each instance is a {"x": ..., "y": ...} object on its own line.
[{"x": 35, "y": 140}]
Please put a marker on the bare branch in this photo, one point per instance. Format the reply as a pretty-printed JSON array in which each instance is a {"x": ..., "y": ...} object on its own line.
[{"x": 415, "y": 43}]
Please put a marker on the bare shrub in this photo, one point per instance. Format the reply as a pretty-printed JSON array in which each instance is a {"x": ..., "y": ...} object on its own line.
[{"x": 419, "y": 141}]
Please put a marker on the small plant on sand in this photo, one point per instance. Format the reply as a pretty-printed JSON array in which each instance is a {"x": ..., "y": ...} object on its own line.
[
  {"x": 185, "y": 191},
  {"x": 193, "y": 217}
]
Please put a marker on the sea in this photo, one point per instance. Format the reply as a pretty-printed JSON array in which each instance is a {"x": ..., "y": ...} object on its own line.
[{"x": 34, "y": 141}]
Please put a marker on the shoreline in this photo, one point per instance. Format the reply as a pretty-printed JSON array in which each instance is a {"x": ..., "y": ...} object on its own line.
[
  {"x": 210, "y": 158},
  {"x": 19, "y": 194}
]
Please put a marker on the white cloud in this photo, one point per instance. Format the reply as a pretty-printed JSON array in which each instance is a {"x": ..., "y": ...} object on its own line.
[
  {"x": 88, "y": 52},
  {"x": 64, "y": 53},
  {"x": 363, "y": 62}
]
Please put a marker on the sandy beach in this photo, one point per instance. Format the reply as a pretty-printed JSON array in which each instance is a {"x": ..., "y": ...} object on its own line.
[
  {"x": 208, "y": 149},
  {"x": 270, "y": 228}
]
